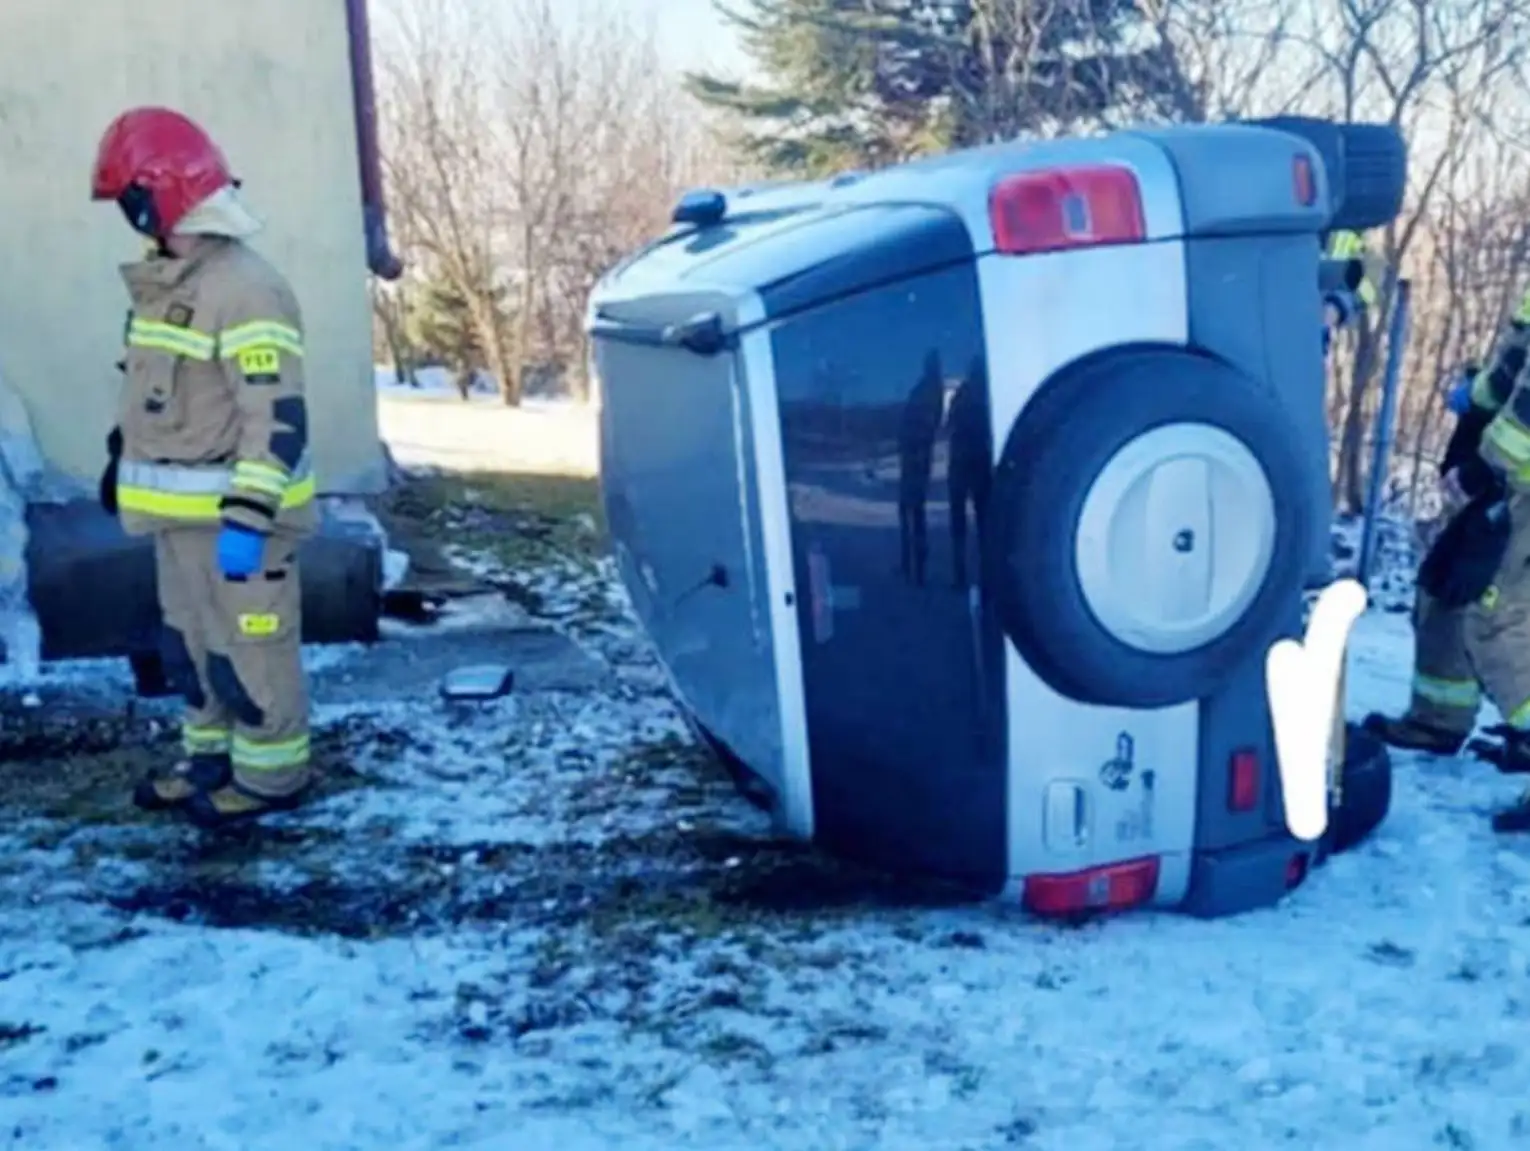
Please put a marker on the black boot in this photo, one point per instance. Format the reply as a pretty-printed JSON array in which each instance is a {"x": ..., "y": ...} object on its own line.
[
  {"x": 1514, "y": 759},
  {"x": 1494, "y": 746},
  {"x": 1410, "y": 734},
  {"x": 164, "y": 789},
  {"x": 232, "y": 805},
  {"x": 1515, "y": 818}
]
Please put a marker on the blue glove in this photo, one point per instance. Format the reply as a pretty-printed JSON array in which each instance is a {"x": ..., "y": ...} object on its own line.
[
  {"x": 240, "y": 551},
  {"x": 1459, "y": 400}
]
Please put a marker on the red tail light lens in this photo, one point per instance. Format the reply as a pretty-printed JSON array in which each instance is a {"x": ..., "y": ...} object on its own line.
[
  {"x": 1112, "y": 888},
  {"x": 1303, "y": 181},
  {"x": 1062, "y": 208},
  {"x": 1243, "y": 781}
]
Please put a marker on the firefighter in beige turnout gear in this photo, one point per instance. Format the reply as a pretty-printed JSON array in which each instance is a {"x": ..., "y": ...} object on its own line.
[
  {"x": 1483, "y": 647},
  {"x": 1497, "y": 626},
  {"x": 212, "y": 461}
]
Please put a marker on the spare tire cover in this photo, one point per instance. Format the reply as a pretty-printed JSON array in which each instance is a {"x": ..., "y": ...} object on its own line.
[{"x": 1149, "y": 527}]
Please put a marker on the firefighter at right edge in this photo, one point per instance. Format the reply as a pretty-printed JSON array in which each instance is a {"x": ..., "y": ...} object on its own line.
[
  {"x": 210, "y": 458},
  {"x": 1462, "y": 653}
]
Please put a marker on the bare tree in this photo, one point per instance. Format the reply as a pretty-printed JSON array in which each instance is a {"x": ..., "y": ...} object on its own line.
[
  {"x": 530, "y": 143},
  {"x": 1226, "y": 59},
  {"x": 439, "y": 152}
]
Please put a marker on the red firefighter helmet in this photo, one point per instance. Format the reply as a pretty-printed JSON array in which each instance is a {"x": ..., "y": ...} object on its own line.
[{"x": 157, "y": 165}]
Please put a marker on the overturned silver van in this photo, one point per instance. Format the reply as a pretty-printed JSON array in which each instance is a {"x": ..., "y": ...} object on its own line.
[{"x": 963, "y": 500}]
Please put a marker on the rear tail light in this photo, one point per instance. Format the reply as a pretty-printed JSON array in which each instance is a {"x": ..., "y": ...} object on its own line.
[
  {"x": 1112, "y": 888},
  {"x": 1084, "y": 207},
  {"x": 1243, "y": 781},
  {"x": 1303, "y": 181}
]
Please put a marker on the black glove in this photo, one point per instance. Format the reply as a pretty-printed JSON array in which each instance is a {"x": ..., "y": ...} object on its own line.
[
  {"x": 107, "y": 490},
  {"x": 1465, "y": 558}
]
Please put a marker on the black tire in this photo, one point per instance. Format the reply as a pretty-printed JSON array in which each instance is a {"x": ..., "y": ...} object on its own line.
[
  {"x": 1063, "y": 439},
  {"x": 1366, "y": 793},
  {"x": 1375, "y": 176}
]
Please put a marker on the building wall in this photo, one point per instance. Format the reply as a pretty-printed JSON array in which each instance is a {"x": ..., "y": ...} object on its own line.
[{"x": 270, "y": 79}]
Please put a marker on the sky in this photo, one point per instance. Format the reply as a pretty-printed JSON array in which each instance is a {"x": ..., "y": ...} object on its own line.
[{"x": 692, "y": 35}]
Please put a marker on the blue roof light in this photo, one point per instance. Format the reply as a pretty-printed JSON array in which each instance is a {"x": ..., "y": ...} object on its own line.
[{"x": 701, "y": 207}]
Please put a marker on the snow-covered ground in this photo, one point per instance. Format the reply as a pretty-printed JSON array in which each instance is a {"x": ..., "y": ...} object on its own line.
[
  {"x": 432, "y": 425},
  {"x": 548, "y": 922}
]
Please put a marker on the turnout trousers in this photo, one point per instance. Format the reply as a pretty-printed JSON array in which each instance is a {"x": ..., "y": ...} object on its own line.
[
  {"x": 1446, "y": 693},
  {"x": 1498, "y": 625},
  {"x": 233, "y": 648}
]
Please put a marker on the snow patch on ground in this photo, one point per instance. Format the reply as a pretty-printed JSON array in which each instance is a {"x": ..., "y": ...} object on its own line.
[
  {"x": 549, "y": 922},
  {"x": 433, "y": 426},
  {"x": 542, "y": 923}
]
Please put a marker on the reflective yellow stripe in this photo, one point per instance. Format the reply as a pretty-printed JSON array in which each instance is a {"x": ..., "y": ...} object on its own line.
[
  {"x": 1350, "y": 246},
  {"x": 198, "y": 508},
  {"x": 258, "y": 477},
  {"x": 158, "y": 336},
  {"x": 1510, "y": 437},
  {"x": 1461, "y": 693},
  {"x": 1482, "y": 391},
  {"x": 1520, "y": 716},
  {"x": 258, "y": 334},
  {"x": 281, "y": 755},
  {"x": 204, "y": 740},
  {"x": 1345, "y": 245},
  {"x": 193, "y": 494},
  {"x": 1522, "y": 315}
]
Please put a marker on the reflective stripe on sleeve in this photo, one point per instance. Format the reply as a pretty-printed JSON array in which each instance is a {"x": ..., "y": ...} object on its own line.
[
  {"x": 1484, "y": 395},
  {"x": 158, "y": 336},
  {"x": 262, "y": 479},
  {"x": 1510, "y": 441},
  {"x": 1345, "y": 245},
  {"x": 260, "y": 334}
]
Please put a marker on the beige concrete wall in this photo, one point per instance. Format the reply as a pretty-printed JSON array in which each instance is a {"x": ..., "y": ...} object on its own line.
[{"x": 270, "y": 79}]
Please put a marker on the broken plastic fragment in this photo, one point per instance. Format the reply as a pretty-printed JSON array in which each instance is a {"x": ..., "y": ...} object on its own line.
[{"x": 480, "y": 682}]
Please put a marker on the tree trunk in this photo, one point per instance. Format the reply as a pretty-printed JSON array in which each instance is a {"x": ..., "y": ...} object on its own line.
[
  {"x": 525, "y": 319},
  {"x": 386, "y": 310}
]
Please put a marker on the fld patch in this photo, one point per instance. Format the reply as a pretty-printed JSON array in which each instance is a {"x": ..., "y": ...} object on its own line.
[
  {"x": 179, "y": 315},
  {"x": 260, "y": 362}
]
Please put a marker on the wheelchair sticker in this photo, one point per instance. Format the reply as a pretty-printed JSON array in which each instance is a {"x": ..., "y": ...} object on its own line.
[{"x": 1117, "y": 771}]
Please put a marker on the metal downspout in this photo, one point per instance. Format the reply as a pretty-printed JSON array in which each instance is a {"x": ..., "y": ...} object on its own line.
[{"x": 380, "y": 256}]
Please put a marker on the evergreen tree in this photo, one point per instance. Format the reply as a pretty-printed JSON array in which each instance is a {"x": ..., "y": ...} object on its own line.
[
  {"x": 862, "y": 83},
  {"x": 449, "y": 325}
]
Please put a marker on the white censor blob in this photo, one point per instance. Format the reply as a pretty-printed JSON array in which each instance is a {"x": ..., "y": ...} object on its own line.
[{"x": 1302, "y": 680}]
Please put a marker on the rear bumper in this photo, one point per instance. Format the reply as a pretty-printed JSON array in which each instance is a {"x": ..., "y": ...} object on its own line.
[
  {"x": 1260, "y": 874},
  {"x": 92, "y": 585}
]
